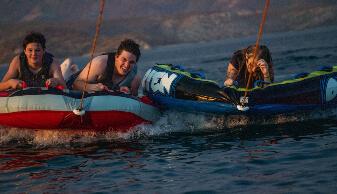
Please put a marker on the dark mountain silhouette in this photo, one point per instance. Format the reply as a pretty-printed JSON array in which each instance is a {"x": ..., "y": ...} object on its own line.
[{"x": 69, "y": 26}]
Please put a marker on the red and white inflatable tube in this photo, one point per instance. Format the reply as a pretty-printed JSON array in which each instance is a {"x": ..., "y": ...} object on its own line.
[{"x": 41, "y": 108}]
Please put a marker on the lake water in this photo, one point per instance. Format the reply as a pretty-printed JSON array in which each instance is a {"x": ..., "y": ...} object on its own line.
[{"x": 188, "y": 153}]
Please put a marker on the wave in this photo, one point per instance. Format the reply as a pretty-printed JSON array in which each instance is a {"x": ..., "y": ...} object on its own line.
[{"x": 170, "y": 122}]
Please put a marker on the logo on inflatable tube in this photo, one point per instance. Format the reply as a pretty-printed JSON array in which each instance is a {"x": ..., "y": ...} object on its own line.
[
  {"x": 330, "y": 89},
  {"x": 158, "y": 81}
]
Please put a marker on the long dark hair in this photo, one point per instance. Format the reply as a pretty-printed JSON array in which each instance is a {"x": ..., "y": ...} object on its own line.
[{"x": 263, "y": 52}]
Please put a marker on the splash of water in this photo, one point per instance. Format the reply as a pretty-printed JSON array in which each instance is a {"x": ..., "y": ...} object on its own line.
[{"x": 170, "y": 122}]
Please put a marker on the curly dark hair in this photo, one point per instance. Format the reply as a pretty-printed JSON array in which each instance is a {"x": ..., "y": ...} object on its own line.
[
  {"x": 34, "y": 37},
  {"x": 130, "y": 46}
]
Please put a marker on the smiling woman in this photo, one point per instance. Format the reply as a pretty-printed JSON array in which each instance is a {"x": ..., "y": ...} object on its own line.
[{"x": 34, "y": 67}]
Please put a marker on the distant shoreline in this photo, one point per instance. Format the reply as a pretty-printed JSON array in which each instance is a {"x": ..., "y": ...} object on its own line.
[{"x": 83, "y": 59}]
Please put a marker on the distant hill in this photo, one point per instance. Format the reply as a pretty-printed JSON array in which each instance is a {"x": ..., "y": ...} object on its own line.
[{"x": 69, "y": 25}]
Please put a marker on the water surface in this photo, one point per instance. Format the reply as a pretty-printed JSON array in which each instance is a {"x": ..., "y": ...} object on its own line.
[{"x": 188, "y": 153}]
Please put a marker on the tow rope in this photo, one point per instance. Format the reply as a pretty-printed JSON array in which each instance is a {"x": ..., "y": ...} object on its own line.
[
  {"x": 80, "y": 111},
  {"x": 244, "y": 99}
]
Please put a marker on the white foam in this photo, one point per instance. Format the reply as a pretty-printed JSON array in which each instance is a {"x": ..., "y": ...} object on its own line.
[{"x": 169, "y": 122}]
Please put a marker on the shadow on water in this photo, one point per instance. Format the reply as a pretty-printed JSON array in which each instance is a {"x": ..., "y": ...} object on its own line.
[
  {"x": 16, "y": 155},
  {"x": 295, "y": 130}
]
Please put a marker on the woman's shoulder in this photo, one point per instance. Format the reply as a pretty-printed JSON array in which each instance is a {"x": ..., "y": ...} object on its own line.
[
  {"x": 15, "y": 61},
  {"x": 16, "y": 57}
]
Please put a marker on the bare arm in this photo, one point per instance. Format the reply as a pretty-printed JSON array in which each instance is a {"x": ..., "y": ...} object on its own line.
[
  {"x": 10, "y": 80},
  {"x": 11, "y": 84},
  {"x": 271, "y": 72},
  {"x": 231, "y": 75},
  {"x": 57, "y": 78},
  {"x": 267, "y": 71},
  {"x": 133, "y": 90},
  {"x": 97, "y": 69},
  {"x": 13, "y": 69}
]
